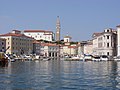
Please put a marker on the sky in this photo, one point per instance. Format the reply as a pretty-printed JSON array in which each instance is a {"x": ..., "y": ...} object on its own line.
[{"x": 79, "y": 18}]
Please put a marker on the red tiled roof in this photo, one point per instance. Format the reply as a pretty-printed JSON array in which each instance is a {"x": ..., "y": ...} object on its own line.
[
  {"x": 67, "y": 37},
  {"x": 37, "y": 31},
  {"x": 47, "y": 34},
  {"x": 72, "y": 46},
  {"x": 13, "y": 34},
  {"x": 48, "y": 44},
  {"x": 118, "y": 26},
  {"x": 96, "y": 34},
  {"x": 36, "y": 42}
]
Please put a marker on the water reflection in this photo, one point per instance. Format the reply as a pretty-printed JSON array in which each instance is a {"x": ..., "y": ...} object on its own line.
[{"x": 60, "y": 75}]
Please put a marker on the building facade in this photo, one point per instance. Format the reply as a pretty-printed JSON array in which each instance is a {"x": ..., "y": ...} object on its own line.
[
  {"x": 50, "y": 50},
  {"x": 40, "y": 34},
  {"x": 2, "y": 45},
  {"x": 67, "y": 40},
  {"x": 18, "y": 43},
  {"x": 105, "y": 43},
  {"x": 71, "y": 50},
  {"x": 118, "y": 40},
  {"x": 36, "y": 48},
  {"x": 88, "y": 48}
]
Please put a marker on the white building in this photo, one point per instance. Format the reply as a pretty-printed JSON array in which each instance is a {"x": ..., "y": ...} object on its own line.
[
  {"x": 67, "y": 40},
  {"x": 118, "y": 40},
  {"x": 40, "y": 34},
  {"x": 105, "y": 43},
  {"x": 88, "y": 48},
  {"x": 71, "y": 50},
  {"x": 50, "y": 50}
]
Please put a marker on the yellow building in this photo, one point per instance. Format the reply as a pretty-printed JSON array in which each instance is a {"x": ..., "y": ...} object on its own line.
[
  {"x": 18, "y": 43},
  {"x": 88, "y": 48},
  {"x": 70, "y": 50}
]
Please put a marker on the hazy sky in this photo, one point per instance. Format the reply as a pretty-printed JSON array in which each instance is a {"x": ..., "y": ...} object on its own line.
[{"x": 79, "y": 18}]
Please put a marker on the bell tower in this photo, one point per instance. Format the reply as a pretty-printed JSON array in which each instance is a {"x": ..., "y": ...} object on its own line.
[{"x": 58, "y": 29}]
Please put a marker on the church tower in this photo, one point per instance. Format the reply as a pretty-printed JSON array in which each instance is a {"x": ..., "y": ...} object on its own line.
[{"x": 58, "y": 29}]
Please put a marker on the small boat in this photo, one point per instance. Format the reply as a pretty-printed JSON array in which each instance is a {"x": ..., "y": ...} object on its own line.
[
  {"x": 72, "y": 58},
  {"x": 104, "y": 58},
  {"x": 45, "y": 58},
  {"x": 3, "y": 59},
  {"x": 87, "y": 58},
  {"x": 96, "y": 58},
  {"x": 116, "y": 58}
]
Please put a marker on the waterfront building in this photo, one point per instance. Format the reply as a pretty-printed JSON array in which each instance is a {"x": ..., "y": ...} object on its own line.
[
  {"x": 67, "y": 40},
  {"x": 40, "y": 34},
  {"x": 80, "y": 50},
  {"x": 71, "y": 50},
  {"x": 85, "y": 47},
  {"x": 118, "y": 40},
  {"x": 81, "y": 47},
  {"x": 37, "y": 47},
  {"x": 18, "y": 43},
  {"x": 50, "y": 50},
  {"x": 88, "y": 48},
  {"x": 104, "y": 43},
  {"x": 61, "y": 50},
  {"x": 2, "y": 44},
  {"x": 58, "y": 29}
]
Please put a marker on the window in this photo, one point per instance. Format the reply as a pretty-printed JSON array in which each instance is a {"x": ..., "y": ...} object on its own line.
[
  {"x": 107, "y": 44},
  {"x": 2, "y": 43},
  {"x": 108, "y": 53},
  {"x": 67, "y": 40},
  {"x": 108, "y": 31},
  {"x": 107, "y": 37}
]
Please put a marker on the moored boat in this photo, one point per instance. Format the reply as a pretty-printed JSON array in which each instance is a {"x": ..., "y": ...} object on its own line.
[
  {"x": 3, "y": 59},
  {"x": 45, "y": 58},
  {"x": 96, "y": 58},
  {"x": 117, "y": 58},
  {"x": 72, "y": 58},
  {"x": 87, "y": 58},
  {"x": 104, "y": 58}
]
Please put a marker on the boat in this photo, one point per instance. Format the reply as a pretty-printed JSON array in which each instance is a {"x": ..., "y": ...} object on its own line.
[
  {"x": 3, "y": 59},
  {"x": 104, "y": 58},
  {"x": 26, "y": 58},
  {"x": 96, "y": 58},
  {"x": 45, "y": 58},
  {"x": 72, "y": 58},
  {"x": 87, "y": 58},
  {"x": 116, "y": 58}
]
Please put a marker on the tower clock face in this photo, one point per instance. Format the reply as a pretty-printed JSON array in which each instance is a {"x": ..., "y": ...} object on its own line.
[{"x": 57, "y": 32}]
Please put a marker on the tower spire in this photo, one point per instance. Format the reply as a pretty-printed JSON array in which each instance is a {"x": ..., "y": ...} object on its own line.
[{"x": 58, "y": 29}]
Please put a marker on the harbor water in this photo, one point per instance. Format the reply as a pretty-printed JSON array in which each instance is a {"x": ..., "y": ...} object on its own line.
[{"x": 60, "y": 75}]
